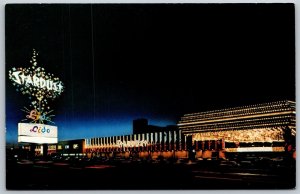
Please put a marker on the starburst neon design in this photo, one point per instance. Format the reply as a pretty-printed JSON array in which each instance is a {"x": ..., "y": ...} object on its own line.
[
  {"x": 39, "y": 86},
  {"x": 34, "y": 116},
  {"x": 35, "y": 82}
]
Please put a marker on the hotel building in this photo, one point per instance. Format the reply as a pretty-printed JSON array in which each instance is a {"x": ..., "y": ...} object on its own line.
[{"x": 268, "y": 128}]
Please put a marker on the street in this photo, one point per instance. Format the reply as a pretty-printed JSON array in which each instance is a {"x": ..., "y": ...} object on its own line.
[{"x": 140, "y": 175}]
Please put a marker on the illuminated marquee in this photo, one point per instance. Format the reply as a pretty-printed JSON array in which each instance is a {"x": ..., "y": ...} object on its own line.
[
  {"x": 37, "y": 130},
  {"x": 132, "y": 143},
  {"x": 255, "y": 149},
  {"x": 37, "y": 133}
]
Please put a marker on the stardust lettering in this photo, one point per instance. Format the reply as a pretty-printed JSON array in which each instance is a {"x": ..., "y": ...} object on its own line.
[{"x": 20, "y": 78}]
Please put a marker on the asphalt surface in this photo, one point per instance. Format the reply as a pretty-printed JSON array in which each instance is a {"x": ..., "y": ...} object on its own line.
[{"x": 139, "y": 175}]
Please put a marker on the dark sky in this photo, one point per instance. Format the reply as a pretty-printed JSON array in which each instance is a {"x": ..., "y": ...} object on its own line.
[{"x": 122, "y": 62}]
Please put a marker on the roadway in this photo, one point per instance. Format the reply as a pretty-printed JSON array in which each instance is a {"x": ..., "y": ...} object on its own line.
[{"x": 140, "y": 175}]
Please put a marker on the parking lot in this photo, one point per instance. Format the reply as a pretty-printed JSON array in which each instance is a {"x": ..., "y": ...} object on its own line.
[{"x": 90, "y": 174}]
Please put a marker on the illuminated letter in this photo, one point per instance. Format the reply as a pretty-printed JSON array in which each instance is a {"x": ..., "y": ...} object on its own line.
[
  {"x": 54, "y": 86},
  {"x": 49, "y": 84},
  {"x": 16, "y": 75},
  {"x": 35, "y": 81},
  {"x": 59, "y": 86},
  {"x": 28, "y": 80},
  {"x": 42, "y": 83},
  {"x": 33, "y": 129},
  {"x": 44, "y": 130}
]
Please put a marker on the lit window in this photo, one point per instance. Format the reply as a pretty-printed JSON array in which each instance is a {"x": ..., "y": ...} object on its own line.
[
  {"x": 75, "y": 146},
  {"x": 67, "y": 147}
]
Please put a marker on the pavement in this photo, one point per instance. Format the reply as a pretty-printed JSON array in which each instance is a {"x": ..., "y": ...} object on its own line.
[{"x": 138, "y": 175}]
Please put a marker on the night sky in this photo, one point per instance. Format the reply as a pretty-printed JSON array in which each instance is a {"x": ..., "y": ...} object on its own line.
[{"x": 123, "y": 62}]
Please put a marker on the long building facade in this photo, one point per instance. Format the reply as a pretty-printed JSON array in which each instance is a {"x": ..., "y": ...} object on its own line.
[
  {"x": 260, "y": 128},
  {"x": 165, "y": 140}
]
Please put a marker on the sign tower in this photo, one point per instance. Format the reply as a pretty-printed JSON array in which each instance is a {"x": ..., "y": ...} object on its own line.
[{"x": 37, "y": 127}]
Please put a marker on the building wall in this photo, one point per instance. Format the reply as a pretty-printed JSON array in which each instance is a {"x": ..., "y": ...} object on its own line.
[
  {"x": 156, "y": 141},
  {"x": 268, "y": 127},
  {"x": 201, "y": 135},
  {"x": 267, "y": 115},
  {"x": 70, "y": 147}
]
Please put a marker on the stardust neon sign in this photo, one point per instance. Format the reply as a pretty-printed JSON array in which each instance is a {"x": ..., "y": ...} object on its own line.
[
  {"x": 40, "y": 86},
  {"x": 35, "y": 81},
  {"x": 21, "y": 78}
]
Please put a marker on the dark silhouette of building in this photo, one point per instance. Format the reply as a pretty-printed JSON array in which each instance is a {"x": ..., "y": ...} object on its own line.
[
  {"x": 142, "y": 126},
  {"x": 139, "y": 125}
]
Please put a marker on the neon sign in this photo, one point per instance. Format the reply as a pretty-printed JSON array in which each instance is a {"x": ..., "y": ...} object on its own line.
[
  {"x": 132, "y": 143},
  {"x": 34, "y": 115},
  {"x": 21, "y": 78},
  {"x": 40, "y": 86},
  {"x": 37, "y": 129},
  {"x": 35, "y": 82}
]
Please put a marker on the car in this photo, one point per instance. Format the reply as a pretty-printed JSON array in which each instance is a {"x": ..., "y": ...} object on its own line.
[{"x": 230, "y": 163}]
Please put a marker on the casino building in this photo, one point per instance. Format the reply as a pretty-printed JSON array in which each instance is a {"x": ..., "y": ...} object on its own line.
[
  {"x": 263, "y": 129},
  {"x": 147, "y": 141},
  {"x": 268, "y": 127}
]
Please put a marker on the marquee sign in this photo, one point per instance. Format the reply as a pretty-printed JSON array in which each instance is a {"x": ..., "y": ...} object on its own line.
[
  {"x": 38, "y": 140},
  {"x": 37, "y": 130},
  {"x": 37, "y": 133}
]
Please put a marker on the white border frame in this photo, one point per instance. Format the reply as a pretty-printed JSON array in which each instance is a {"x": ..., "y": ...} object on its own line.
[{"x": 2, "y": 90}]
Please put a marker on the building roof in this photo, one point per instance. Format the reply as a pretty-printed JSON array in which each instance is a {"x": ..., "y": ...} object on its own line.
[{"x": 266, "y": 115}]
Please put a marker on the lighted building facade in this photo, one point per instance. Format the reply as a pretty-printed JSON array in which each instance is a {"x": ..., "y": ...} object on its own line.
[
  {"x": 71, "y": 147},
  {"x": 154, "y": 139},
  {"x": 261, "y": 128},
  {"x": 268, "y": 127}
]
